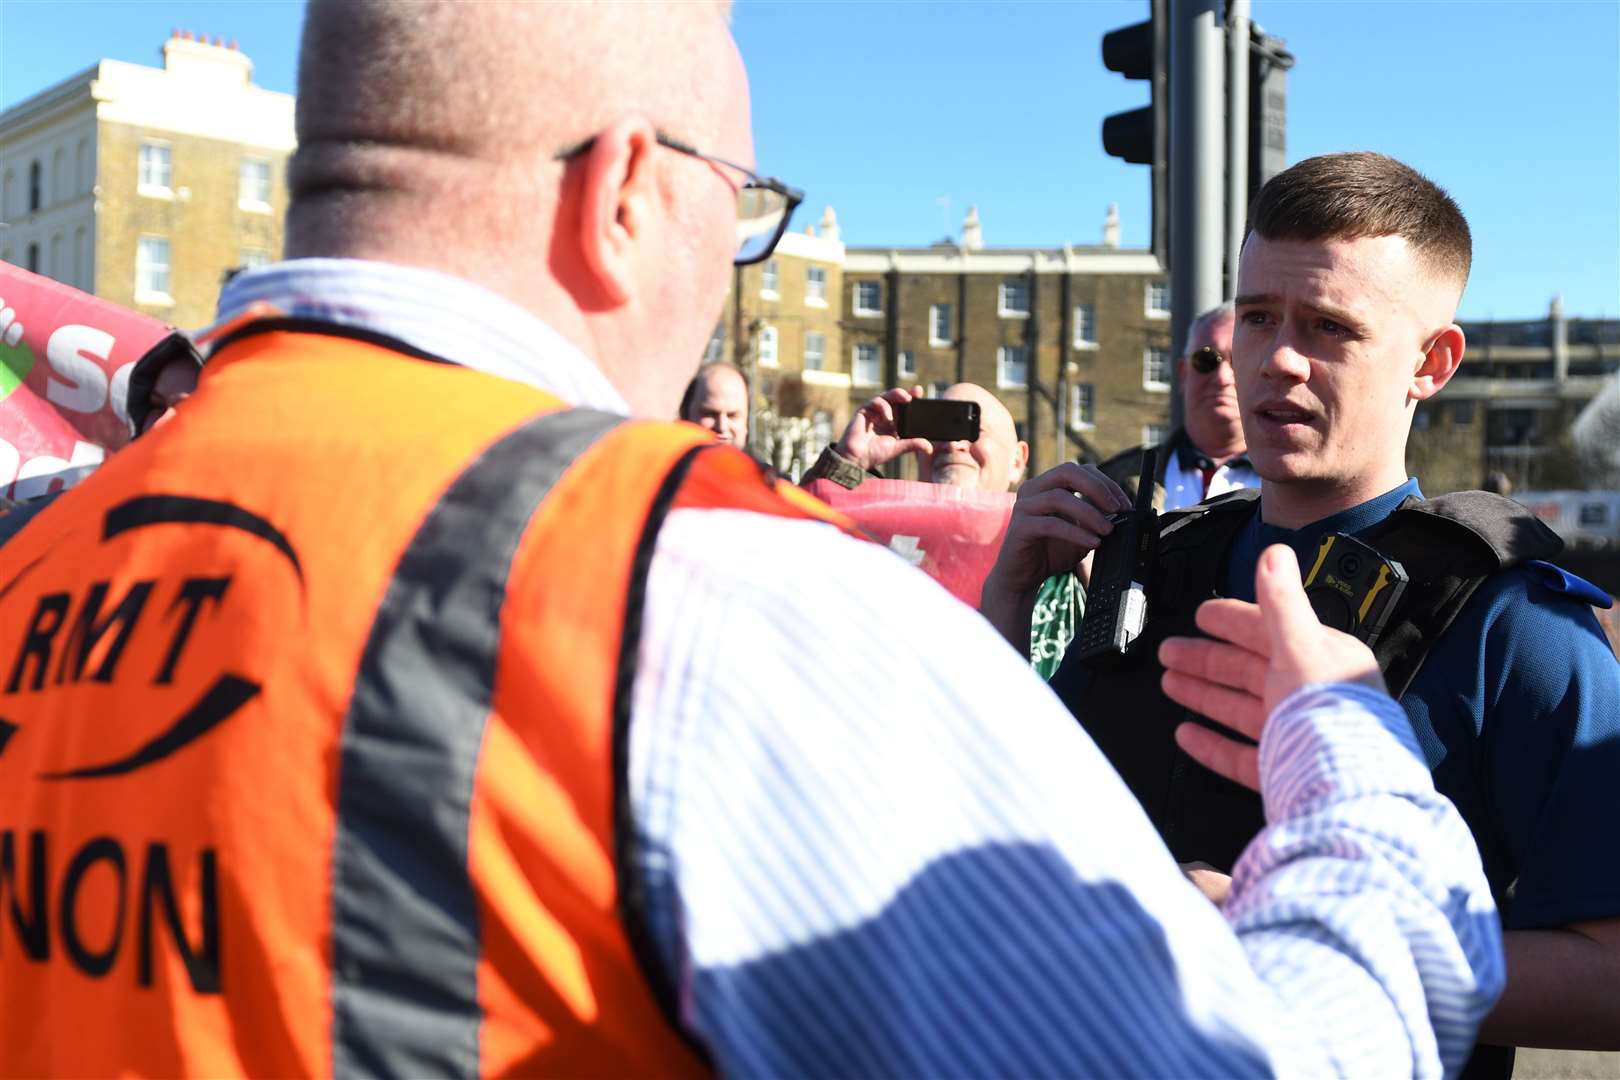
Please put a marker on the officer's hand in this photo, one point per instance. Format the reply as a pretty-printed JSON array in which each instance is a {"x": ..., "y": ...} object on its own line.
[
  {"x": 872, "y": 439},
  {"x": 1058, "y": 519},
  {"x": 1264, "y": 653}
]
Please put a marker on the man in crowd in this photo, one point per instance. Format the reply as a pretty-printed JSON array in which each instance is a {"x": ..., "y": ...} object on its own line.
[
  {"x": 407, "y": 710},
  {"x": 993, "y": 462},
  {"x": 717, "y": 399},
  {"x": 1347, "y": 291},
  {"x": 1204, "y": 457}
]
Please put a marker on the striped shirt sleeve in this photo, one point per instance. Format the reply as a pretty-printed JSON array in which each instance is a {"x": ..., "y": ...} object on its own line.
[{"x": 875, "y": 844}]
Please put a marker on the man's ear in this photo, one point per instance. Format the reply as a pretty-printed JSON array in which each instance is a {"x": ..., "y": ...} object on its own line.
[
  {"x": 1439, "y": 363},
  {"x": 618, "y": 194},
  {"x": 1020, "y": 460}
]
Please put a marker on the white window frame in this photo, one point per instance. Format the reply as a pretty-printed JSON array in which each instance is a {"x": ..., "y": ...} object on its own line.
[
  {"x": 1077, "y": 401},
  {"x": 767, "y": 346},
  {"x": 248, "y": 200},
  {"x": 144, "y": 268},
  {"x": 145, "y": 185},
  {"x": 874, "y": 363},
  {"x": 1148, "y": 306},
  {"x": 769, "y": 280},
  {"x": 934, "y": 312},
  {"x": 908, "y": 366},
  {"x": 816, "y": 353},
  {"x": 1001, "y": 299},
  {"x": 1085, "y": 318},
  {"x": 716, "y": 348},
  {"x": 815, "y": 288},
  {"x": 1148, "y": 363},
  {"x": 1004, "y": 366},
  {"x": 253, "y": 258},
  {"x": 1154, "y": 434},
  {"x": 855, "y": 298}
]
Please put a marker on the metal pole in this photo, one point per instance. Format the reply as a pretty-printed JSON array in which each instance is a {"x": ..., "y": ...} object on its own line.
[
  {"x": 1197, "y": 170},
  {"x": 1237, "y": 134}
]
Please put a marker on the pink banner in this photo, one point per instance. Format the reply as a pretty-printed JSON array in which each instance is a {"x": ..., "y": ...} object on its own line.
[
  {"x": 953, "y": 534},
  {"x": 65, "y": 359}
]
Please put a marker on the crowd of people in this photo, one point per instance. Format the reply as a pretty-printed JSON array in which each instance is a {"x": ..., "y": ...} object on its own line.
[{"x": 411, "y": 699}]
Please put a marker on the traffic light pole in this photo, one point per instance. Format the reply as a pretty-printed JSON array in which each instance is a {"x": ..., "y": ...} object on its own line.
[
  {"x": 1198, "y": 204},
  {"x": 1237, "y": 134}
]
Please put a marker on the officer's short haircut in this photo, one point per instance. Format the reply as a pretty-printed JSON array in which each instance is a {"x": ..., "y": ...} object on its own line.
[{"x": 1355, "y": 195}]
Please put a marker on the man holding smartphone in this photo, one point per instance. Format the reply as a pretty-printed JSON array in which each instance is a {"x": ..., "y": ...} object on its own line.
[{"x": 994, "y": 461}]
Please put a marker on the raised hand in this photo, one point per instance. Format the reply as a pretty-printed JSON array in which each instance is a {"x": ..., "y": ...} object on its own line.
[
  {"x": 872, "y": 438},
  {"x": 1263, "y": 653}
]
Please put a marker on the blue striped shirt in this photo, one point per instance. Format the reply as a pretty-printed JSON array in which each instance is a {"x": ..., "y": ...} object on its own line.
[{"x": 875, "y": 844}]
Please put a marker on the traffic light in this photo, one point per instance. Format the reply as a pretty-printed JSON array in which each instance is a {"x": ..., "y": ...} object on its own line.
[
  {"x": 1142, "y": 136},
  {"x": 1269, "y": 61}
]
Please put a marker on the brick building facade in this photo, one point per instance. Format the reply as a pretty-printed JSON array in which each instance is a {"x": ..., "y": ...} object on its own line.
[{"x": 145, "y": 185}]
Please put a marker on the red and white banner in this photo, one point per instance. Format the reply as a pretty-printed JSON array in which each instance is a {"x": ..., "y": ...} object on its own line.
[
  {"x": 65, "y": 359},
  {"x": 952, "y": 533}
]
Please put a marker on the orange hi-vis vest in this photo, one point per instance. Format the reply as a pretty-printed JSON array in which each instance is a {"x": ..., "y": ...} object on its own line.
[{"x": 313, "y": 729}]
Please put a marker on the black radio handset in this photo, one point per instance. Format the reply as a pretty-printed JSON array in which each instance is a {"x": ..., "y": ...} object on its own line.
[{"x": 1117, "y": 598}]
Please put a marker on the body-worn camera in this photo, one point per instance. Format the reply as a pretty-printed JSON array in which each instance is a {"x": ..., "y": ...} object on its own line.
[
  {"x": 1352, "y": 587},
  {"x": 1116, "y": 600}
]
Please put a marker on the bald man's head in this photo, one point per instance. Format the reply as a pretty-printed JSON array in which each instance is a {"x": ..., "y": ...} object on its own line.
[
  {"x": 995, "y": 462},
  {"x": 429, "y": 135}
]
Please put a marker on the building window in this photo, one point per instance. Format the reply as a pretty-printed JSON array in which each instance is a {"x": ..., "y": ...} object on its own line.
[
  {"x": 1462, "y": 413},
  {"x": 59, "y": 177},
  {"x": 81, "y": 168},
  {"x": 1014, "y": 299},
  {"x": 717, "y": 344},
  {"x": 152, "y": 271},
  {"x": 1155, "y": 368},
  {"x": 908, "y": 366},
  {"x": 8, "y": 196},
  {"x": 32, "y": 262},
  {"x": 767, "y": 280},
  {"x": 1154, "y": 434},
  {"x": 36, "y": 181},
  {"x": 867, "y": 369},
  {"x": 939, "y": 324},
  {"x": 1012, "y": 365},
  {"x": 1158, "y": 299},
  {"x": 81, "y": 260},
  {"x": 1085, "y": 326},
  {"x": 253, "y": 184},
  {"x": 253, "y": 258},
  {"x": 815, "y": 352},
  {"x": 155, "y": 171},
  {"x": 815, "y": 286},
  {"x": 767, "y": 346},
  {"x": 58, "y": 268},
  {"x": 1082, "y": 405},
  {"x": 868, "y": 298},
  {"x": 1420, "y": 419}
]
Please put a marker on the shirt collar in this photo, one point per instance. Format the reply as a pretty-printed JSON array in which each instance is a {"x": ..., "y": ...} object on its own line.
[
  {"x": 1351, "y": 521},
  {"x": 446, "y": 316}
]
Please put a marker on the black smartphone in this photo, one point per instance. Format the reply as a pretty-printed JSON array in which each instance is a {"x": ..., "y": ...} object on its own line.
[
  {"x": 1116, "y": 600},
  {"x": 938, "y": 420}
]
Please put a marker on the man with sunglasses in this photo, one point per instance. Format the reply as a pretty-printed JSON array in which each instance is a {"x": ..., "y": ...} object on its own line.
[
  {"x": 1204, "y": 457},
  {"x": 408, "y": 710}
]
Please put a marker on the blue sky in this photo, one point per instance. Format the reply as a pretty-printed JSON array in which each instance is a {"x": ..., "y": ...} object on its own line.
[{"x": 900, "y": 115}]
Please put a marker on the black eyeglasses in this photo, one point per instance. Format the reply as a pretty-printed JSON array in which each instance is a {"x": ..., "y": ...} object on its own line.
[
  {"x": 1206, "y": 359},
  {"x": 764, "y": 203}
]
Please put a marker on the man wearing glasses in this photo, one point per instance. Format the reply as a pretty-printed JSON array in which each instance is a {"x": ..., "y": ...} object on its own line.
[
  {"x": 1204, "y": 457},
  {"x": 407, "y": 710}
]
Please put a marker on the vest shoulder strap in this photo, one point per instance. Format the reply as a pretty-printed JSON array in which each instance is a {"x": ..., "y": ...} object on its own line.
[{"x": 1448, "y": 546}]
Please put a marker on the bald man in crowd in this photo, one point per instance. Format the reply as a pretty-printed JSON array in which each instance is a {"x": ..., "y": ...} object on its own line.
[
  {"x": 993, "y": 462},
  {"x": 409, "y": 710},
  {"x": 717, "y": 399}
]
